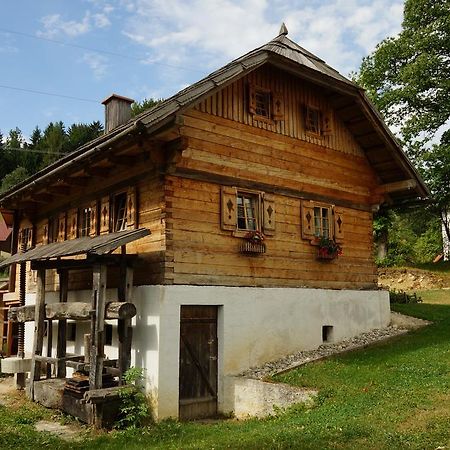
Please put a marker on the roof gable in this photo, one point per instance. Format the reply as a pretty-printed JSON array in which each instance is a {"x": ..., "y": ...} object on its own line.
[{"x": 346, "y": 97}]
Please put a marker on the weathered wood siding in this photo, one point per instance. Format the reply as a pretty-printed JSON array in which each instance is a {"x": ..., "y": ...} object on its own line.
[
  {"x": 224, "y": 141},
  {"x": 232, "y": 103},
  {"x": 202, "y": 253}
]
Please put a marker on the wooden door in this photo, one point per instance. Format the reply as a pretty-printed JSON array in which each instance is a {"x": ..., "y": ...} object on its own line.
[{"x": 198, "y": 362}]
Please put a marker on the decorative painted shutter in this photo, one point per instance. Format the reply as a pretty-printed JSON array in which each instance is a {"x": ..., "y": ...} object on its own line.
[
  {"x": 229, "y": 208},
  {"x": 307, "y": 219},
  {"x": 62, "y": 227},
  {"x": 251, "y": 99},
  {"x": 269, "y": 214},
  {"x": 338, "y": 214},
  {"x": 45, "y": 232},
  {"x": 72, "y": 224},
  {"x": 277, "y": 106},
  {"x": 131, "y": 208},
  {"x": 93, "y": 225},
  {"x": 104, "y": 215},
  {"x": 327, "y": 123}
]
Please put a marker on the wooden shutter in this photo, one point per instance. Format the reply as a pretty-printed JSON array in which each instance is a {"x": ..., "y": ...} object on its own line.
[
  {"x": 338, "y": 214},
  {"x": 104, "y": 215},
  {"x": 62, "y": 227},
  {"x": 277, "y": 106},
  {"x": 72, "y": 224},
  {"x": 251, "y": 99},
  {"x": 268, "y": 214},
  {"x": 327, "y": 123},
  {"x": 30, "y": 239},
  {"x": 45, "y": 232},
  {"x": 307, "y": 219},
  {"x": 229, "y": 208},
  {"x": 94, "y": 215},
  {"x": 131, "y": 208}
]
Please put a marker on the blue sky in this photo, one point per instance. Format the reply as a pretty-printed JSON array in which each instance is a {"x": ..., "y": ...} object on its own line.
[{"x": 88, "y": 49}]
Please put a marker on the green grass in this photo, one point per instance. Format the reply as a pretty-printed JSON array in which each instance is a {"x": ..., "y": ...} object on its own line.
[{"x": 395, "y": 395}]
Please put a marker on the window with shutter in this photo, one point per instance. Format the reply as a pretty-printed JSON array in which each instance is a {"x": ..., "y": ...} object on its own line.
[
  {"x": 62, "y": 219},
  {"x": 104, "y": 215},
  {"x": 85, "y": 221},
  {"x": 131, "y": 208},
  {"x": 93, "y": 220},
  {"x": 72, "y": 224}
]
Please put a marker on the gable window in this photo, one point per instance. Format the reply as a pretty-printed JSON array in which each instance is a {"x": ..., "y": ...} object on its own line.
[
  {"x": 85, "y": 221},
  {"x": 262, "y": 103},
  {"x": 120, "y": 211},
  {"x": 313, "y": 120},
  {"x": 247, "y": 211},
  {"x": 322, "y": 217}
]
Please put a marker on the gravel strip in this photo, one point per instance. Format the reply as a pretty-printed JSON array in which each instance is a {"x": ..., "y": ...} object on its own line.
[{"x": 303, "y": 357}]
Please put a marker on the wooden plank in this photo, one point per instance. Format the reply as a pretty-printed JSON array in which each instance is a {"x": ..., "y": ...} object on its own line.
[
  {"x": 125, "y": 331},
  {"x": 97, "y": 326},
  {"x": 62, "y": 325},
  {"x": 35, "y": 373},
  {"x": 73, "y": 310}
]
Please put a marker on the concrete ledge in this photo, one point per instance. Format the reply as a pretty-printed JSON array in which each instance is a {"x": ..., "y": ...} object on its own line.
[
  {"x": 49, "y": 393},
  {"x": 254, "y": 398},
  {"x": 15, "y": 365}
]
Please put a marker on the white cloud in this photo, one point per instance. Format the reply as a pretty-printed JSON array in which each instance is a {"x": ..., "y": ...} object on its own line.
[
  {"x": 55, "y": 25},
  {"x": 338, "y": 31},
  {"x": 97, "y": 63}
]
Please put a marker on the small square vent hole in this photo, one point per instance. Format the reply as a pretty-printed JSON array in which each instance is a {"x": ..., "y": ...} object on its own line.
[{"x": 327, "y": 333}]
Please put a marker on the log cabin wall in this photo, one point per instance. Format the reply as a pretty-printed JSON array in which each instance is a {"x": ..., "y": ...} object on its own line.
[
  {"x": 148, "y": 185},
  {"x": 227, "y": 145}
]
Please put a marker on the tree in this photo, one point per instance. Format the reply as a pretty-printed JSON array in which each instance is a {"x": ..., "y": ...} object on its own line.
[
  {"x": 79, "y": 134},
  {"x": 11, "y": 179},
  {"x": 147, "y": 103},
  {"x": 407, "y": 79}
]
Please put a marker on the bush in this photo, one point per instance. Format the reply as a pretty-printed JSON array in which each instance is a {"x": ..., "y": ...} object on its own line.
[
  {"x": 403, "y": 297},
  {"x": 134, "y": 408}
]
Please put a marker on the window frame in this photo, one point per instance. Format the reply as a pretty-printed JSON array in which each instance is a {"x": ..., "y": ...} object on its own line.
[
  {"x": 329, "y": 210},
  {"x": 84, "y": 212},
  {"x": 256, "y": 196},
  {"x": 116, "y": 209},
  {"x": 315, "y": 130}
]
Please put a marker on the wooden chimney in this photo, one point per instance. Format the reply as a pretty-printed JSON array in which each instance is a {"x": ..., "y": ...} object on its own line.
[{"x": 117, "y": 111}]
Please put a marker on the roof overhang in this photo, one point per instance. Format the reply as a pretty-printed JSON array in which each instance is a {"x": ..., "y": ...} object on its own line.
[{"x": 89, "y": 246}]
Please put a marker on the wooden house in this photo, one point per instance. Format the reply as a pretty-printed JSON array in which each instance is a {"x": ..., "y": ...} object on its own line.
[{"x": 237, "y": 178}]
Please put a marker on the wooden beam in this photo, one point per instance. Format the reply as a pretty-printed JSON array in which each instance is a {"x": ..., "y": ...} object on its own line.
[
  {"x": 79, "y": 181},
  {"x": 97, "y": 326},
  {"x": 59, "y": 191},
  {"x": 72, "y": 310},
  {"x": 39, "y": 314},
  {"x": 62, "y": 324},
  {"x": 125, "y": 330},
  {"x": 397, "y": 186},
  {"x": 42, "y": 198},
  {"x": 101, "y": 172}
]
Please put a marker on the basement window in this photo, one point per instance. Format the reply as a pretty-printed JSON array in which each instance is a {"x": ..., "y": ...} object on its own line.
[{"x": 327, "y": 333}]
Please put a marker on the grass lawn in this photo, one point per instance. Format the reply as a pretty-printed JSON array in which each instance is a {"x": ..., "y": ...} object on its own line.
[{"x": 395, "y": 395}]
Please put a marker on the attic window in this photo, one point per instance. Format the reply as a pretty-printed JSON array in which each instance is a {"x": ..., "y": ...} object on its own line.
[
  {"x": 262, "y": 102},
  {"x": 313, "y": 120}
]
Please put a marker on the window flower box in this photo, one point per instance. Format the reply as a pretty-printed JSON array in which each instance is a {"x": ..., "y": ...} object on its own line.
[
  {"x": 328, "y": 249},
  {"x": 253, "y": 243}
]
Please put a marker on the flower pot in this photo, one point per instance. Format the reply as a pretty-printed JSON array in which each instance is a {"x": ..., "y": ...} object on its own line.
[{"x": 321, "y": 255}]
